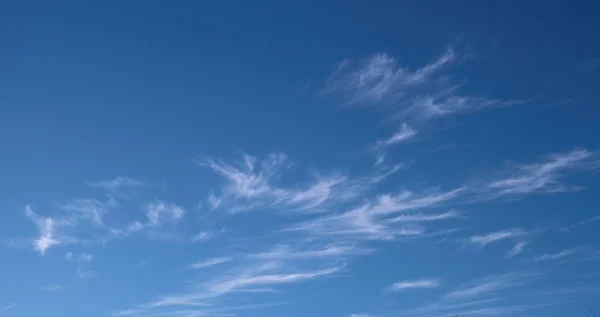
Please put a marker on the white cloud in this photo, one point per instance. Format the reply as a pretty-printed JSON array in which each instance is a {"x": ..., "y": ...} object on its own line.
[
  {"x": 202, "y": 236},
  {"x": 85, "y": 274},
  {"x": 68, "y": 256},
  {"x": 48, "y": 236},
  {"x": 424, "y": 217},
  {"x": 286, "y": 252},
  {"x": 582, "y": 223},
  {"x": 361, "y": 315},
  {"x": 53, "y": 287},
  {"x": 85, "y": 257},
  {"x": 116, "y": 184},
  {"x": 404, "y": 134},
  {"x": 210, "y": 262},
  {"x": 414, "y": 94},
  {"x": 423, "y": 283},
  {"x": 486, "y": 239},
  {"x": 544, "y": 177},
  {"x": 250, "y": 278},
  {"x": 91, "y": 209},
  {"x": 516, "y": 249},
  {"x": 557, "y": 256},
  {"x": 380, "y": 79},
  {"x": 372, "y": 220},
  {"x": 491, "y": 284},
  {"x": 251, "y": 183},
  {"x": 161, "y": 212}
]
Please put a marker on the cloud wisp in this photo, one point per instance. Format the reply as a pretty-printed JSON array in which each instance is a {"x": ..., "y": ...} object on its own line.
[
  {"x": 245, "y": 279},
  {"x": 210, "y": 262},
  {"x": 414, "y": 94},
  {"x": 415, "y": 284},
  {"x": 483, "y": 240},
  {"x": 118, "y": 184},
  {"x": 543, "y": 177},
  {"x": 48, "y": 231},
  {"x": 252, "y": 184},
  {"x": 379, "y": 220}
]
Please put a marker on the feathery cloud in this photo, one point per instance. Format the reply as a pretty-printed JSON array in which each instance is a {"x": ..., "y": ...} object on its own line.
[
  {"x": 424, "y": 217},
  {"x": 557, "y": 256},
  {"x": 251, "y": 184},
  {"x": 202, "y": 236},
  {"x": 419, "y": 94},
  {"x": 423, "y": 283},
  {"x": 118, "y": 183},
  {"x": 404, "y": 134},
  {"x": 83, "y": 273},
  {"x": 91, "y": 209},
  {"x": 286, "y": 252},
  {"x": 85, "y": 257},
  {"x": 371, "y": 221},
  {"x": 210, "y": 262},
  {"x": 544, "y": 177},
  {"x": 381, "y": 79},
  {"x": 48, "y": 236},
  {"x": 251, "y": 277},
  {"x": 492, "y": 284},
  {"x": 486, "y": 239},
  {"x": 516, "y": 249},
  {"x": 53, "y": 287}
]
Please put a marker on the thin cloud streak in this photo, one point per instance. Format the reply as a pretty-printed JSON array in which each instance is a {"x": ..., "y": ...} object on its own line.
[
  {"x": 118, "y": 183},
  {"x": 417, "y": 95},
  {"x": 415, "y": 284},
  {"x": 405, "y": 133},
  {"x": 516, "y": 249},
  {"x": 484, "y": 240},
  {"x": 544, "y": 177},
  {"x": 210, "y": 262},
  {"x": 371, "y": 221}
]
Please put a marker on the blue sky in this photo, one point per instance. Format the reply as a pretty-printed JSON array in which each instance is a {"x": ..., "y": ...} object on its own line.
[{"x": 351, "y": 159}]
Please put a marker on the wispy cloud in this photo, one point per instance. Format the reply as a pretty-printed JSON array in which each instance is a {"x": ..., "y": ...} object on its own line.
[
  {"x": 157, "y": 215},
  {"x": 483, "y": 240},
  {"x": 557, "y": 256},
  {"x": 251, "y": 183},
  {"x": 116, "y": 184},
  {"x": 374, "y": 220},
  {"x": 286, "y": 252},
  {"x": 202, "y": 236},
  {"x": 491, "y": 284},
  {"x": 381, "y": 79},
  {"x": 91, "y": 209},
  {"x": 83, "y": 273},
  {"x": 543, "y": 177},
  {"x": 421, "y": 93},
  {"x": 249, "y": 278},
  {"x": 53, "y": 287},
  {"x": 516, "y": 249},
  {"x": 210, "y": 262},
  {"x": 412, "y": 284},
  {"x": 425, "y": 217},
  {"x": 582, "y": 223},
  {"x": 404, "y": 134},
  {"x": 48, "y": 236},
  {"x": 84, "y": 257}
]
